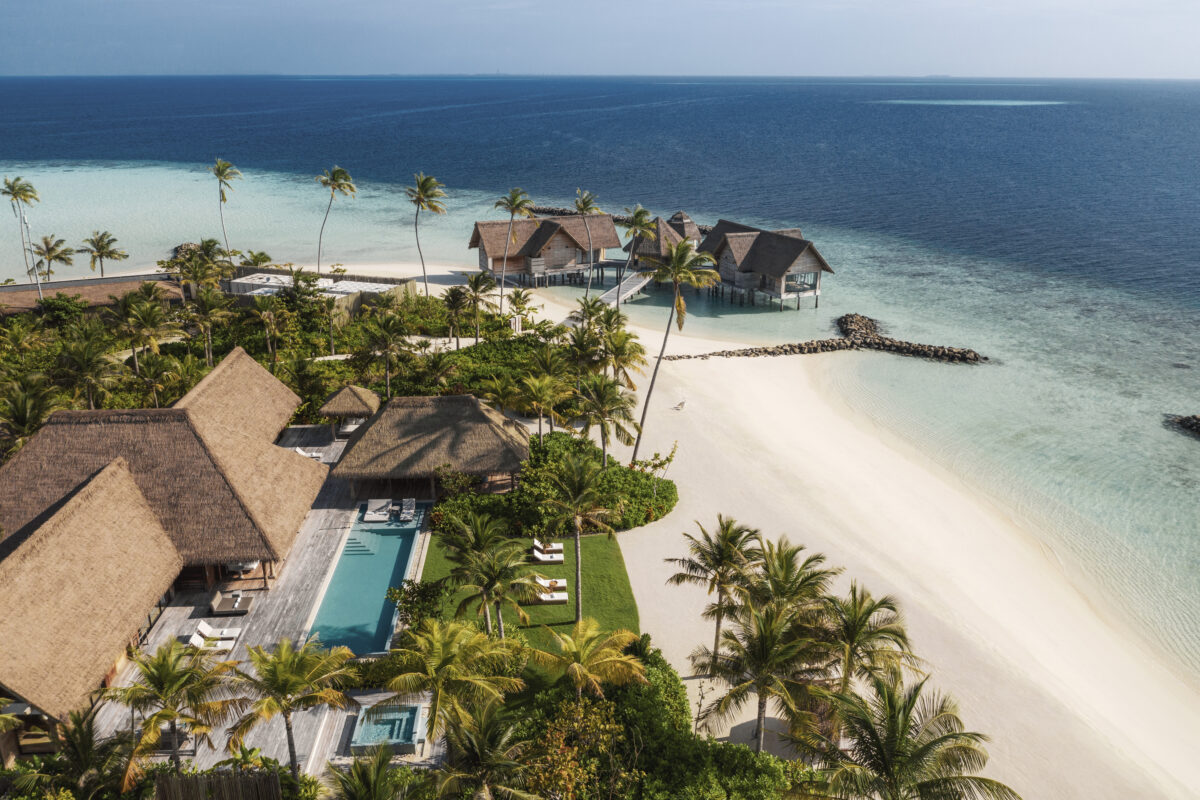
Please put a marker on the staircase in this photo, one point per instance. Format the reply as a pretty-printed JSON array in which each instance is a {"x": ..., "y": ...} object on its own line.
[
  {"x": 631, "y": 285},
  {"x": 361, "y": 543}
]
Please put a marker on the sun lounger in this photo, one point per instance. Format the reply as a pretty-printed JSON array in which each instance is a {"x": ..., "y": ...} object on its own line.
[
  {"x": 210, "y": 645},
  {"x": 378, "y": 511},
  {"x": 552, "y": 584},
  {"x": 550, "y": 598},
  {"x": 547, "y": 547},
  {"x": 408, "y": 509},
  {"x": 546, "y": 558},
  {"x": 314, "y": 455},
  {"x": 209, "y": 632}
]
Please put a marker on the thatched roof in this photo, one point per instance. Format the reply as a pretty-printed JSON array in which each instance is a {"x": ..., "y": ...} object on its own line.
[
  {"x": 410, "y": 437},
  {"x": 665, "y": 236},
  {"x": 765, "y": 252},
  {"x": 684, "y": 226},
  {"x": 93, "y": 291},
  {"x": 242, "y": 393},
  {"x": 219, "y": 486},
  {"x": 76, "y": 589},
  {"x": 531, "y": 235},
  {"x": 350, "y": 401}
]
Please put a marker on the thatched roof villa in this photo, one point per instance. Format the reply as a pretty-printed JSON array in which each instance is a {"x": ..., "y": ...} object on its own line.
[
  {"x": 667, "y": 234},
  {"x": 400, "y": 449},
  {"x": 780, "y": 264},
  {"x": 543, "y": 247},
  {"x": 348, "y": 408}
]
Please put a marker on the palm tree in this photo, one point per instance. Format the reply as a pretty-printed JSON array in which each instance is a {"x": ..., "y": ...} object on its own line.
[
  {"x": 426, "y": 194},
  {"x": 8, "y": 722},
  {"x": 548, "y": 360},
  {"x": 500, "y": 575},
  {"x": 225, "y": 173},
  {"x": 180, "y": 687},
  {"x": 519, "y": 301},
  {"x": 502, "y": 392},
  {"x": 335, "y": 180},
  {"x": 255, "y": 258},
  {"x": 578, "y": 503},
  {"x": 476, "y": 532},
  {"x": 589, "y": 308},
  {"x": 606, "y": 406},
  {"x": 20, "y": 193},
  {"x": 438, "y": 368},
  {"x": 205, "y": 265},
  {"x": 86, "y": 765},
  {"x": 541, "y": 394},
  {"x": 869, "y": 637},
  {"x": 287, "y": 680},
  {"x": 209, "y": 309},
  {"x": 479, "y": 291},
  {"x": 716, "y": 561},
  {"x": 26, "y": 402},
  {"x": 903, "y": 745},
  {"x": 21, "y": 336},
  {"x": 452, "y": 663},
  {"x": 585, "y": 205},
  {"x": 483, "y": 755},
  {"x": 518, "y": 204},
  {"x": 186, "y": 372},
  {"x": 156, "y": 374},
  {"x": 148, "y": 324},
  {"x": 624, "y": 354},
  {"x": 372, "y": 777},
  {"x": 457, "y": 302},
  {"x": 52, "y": 251},
  {"x": 782, "y": 574},
  {"x": 83, "y": 365},
  {"x": 683, "y": 267},
  {"x": 639, "y": 226},
  {"x": 386, "y": 339},
  {"x": 584, "y": 350},
  {"x": 264, "y": 311},
  {"x": 101, "y": 245},
  {"x": 589, "y": 657},
  {"x": 765, "y": 656}
]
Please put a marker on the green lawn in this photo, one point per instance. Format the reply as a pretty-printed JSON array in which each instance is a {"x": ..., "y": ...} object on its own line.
[{"x": 607, "y": 595}]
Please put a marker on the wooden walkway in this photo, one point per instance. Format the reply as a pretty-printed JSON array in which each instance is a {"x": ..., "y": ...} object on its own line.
[
  {"x": 285, "y": 611},
  {"x": 631, "y": 285}
]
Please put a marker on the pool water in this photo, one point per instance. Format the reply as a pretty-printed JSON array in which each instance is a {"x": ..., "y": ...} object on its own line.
[
  {"x": 399, "y": 728},
  {"x": 355, "y": 611}
]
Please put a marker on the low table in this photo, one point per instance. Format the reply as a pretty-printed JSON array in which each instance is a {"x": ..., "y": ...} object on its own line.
[{"x": 229, "y": 606}]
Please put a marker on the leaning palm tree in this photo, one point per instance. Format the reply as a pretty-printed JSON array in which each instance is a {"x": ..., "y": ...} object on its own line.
[
  {"x": 585, "y": 206},
  {"x": 52, "y": 251},
  {"x": 588, "y": 657},
  {"x": 683, "y": 266},
  {"x": 479, "y": 293},
  {"x": 483, "y": 756},
  {"x": 426, "y": 194},
  {"x": 335, "y": 180},
  {"x": 900, "y": 743},
  {"x": 372, "y": 777},
  {"x": 458, "y": 303},
  {"x": 578, "y": 503},
  {"x": 499, "y": 576},
  {"x": 102, "y": 245},
  {"x": 518, "y": 204},
  {"x": 451, "y": 663},
  {"x": 605, "y": 405},
  {"x": 639, "y": 227},
  {"x": 287, "y": 680},
  {"x": 387, "y": 339},
  {"x": 21, "y": 194},
  {"x": 541, "y": 394},
  {"x": 766, "y": 657},
  {"x": 225, "y": 174},
  {"x": 26, "y": 402},
  {"x": 181, "y": 688},
  {"x": 716, "y": 561}
]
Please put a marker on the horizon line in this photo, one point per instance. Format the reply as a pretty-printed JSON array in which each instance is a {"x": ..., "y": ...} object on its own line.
[{"x": 692, "y": 76}]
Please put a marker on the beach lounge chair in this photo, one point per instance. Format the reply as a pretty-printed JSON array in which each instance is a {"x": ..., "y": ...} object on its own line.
[
  {"x": 209, "y": 632},
  {"x": 408, "y": 509},
  {"x": 552, "y": 584},
  {"x": 378, "y": 511},
  {"x": 546, "y": 558},
  {"x": 210, "y": 645},
  {"x": 547, "y": 547},
  {"x": 551, "y": 598}
]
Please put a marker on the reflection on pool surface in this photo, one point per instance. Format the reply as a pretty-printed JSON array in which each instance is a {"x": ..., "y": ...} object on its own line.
[{"x": 355, "y": 611}]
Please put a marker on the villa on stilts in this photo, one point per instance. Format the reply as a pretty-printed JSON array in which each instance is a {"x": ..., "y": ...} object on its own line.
[
  {"x": 758, "y": 265},
  {"x": 544, "y": 250}
]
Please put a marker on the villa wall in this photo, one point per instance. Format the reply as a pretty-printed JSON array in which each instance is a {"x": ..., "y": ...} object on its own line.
[{"x": 561, "y": 251}]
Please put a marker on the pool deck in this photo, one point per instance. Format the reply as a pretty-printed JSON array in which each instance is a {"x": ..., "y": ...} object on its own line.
[{"x": 284, "y": 611}]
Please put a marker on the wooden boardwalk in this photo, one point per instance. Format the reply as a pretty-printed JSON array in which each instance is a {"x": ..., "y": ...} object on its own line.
[{"x": 285, "y": 611}]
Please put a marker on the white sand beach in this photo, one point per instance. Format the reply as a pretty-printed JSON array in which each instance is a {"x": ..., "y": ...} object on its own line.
[{"x": 1075, "y": 706}]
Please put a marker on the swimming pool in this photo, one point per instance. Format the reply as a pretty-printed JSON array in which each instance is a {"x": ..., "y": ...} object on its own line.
[
  {"x": 355, "y": 611},
  {"x": 401, "y": 729}
]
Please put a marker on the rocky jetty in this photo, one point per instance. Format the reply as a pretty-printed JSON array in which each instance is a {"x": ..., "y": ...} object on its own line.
[
  {"x": 859, "y": 333},
  {"x": 1189, "y": 424},
  {"x": 620, "y": 219},
  {"x": 184, "y": 250}
]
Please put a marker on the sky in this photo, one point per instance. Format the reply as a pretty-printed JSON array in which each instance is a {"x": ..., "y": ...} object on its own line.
[{"x": 987, "y": 38}]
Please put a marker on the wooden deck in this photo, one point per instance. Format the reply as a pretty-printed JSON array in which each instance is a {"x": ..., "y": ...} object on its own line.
[{"x": 285, "y": 611}]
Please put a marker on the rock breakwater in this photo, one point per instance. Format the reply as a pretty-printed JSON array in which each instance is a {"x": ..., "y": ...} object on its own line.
[{"x": 858, "y": 333}]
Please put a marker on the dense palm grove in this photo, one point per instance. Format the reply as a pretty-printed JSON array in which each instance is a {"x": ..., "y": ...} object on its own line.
[{"x": 570, "y": 712}]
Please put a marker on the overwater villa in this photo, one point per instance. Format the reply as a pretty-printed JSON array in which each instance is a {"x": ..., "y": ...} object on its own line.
[
  {"x": 668, "y": 233},
  {"x": 543, "y": 248},
  {"x": 401, "y": 448},
  {"x": 780, "y": 264},
  {"x": 104, "y": 515}
]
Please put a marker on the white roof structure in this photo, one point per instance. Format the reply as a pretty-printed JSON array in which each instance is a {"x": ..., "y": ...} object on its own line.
[{"x": 265, "y": 283}]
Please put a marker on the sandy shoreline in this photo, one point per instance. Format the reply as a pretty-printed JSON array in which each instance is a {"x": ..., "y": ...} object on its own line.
[{"x": 1074, "y": 708}]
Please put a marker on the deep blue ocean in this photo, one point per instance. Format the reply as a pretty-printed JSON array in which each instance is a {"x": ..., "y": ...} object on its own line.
[{"x": 1052, "y": 225}]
